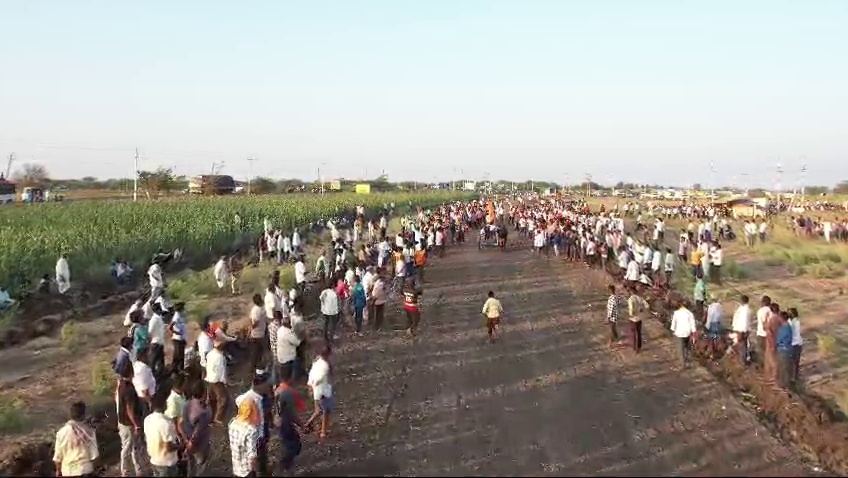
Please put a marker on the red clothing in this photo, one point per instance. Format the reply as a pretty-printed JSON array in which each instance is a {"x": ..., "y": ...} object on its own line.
[{"x": 410, "y": 299}]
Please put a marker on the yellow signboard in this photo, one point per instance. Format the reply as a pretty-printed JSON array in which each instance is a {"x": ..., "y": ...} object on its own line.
[
  {"x": 363, "y": 189},
  {"x": 335, "y": 185}
]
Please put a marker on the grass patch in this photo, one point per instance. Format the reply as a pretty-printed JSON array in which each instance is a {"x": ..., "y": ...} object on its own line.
[
  {"x": 11, "y": 415},
  {"x": 827, "y": 345},
  {"x": 102, "y": 379},
  {"x": 69, "y": 335}
]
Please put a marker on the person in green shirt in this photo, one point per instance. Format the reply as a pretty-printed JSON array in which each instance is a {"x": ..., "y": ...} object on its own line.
[{"x": 700, "y": 296}]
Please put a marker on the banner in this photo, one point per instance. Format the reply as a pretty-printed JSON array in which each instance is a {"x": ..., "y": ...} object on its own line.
[{"x": 363, "y": 189}]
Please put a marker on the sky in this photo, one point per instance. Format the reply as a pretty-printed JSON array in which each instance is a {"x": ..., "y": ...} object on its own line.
[{"x": 638, "y": 91}]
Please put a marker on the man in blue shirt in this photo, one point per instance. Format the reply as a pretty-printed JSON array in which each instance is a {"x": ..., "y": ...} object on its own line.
[{"x": 783, "y": 347}]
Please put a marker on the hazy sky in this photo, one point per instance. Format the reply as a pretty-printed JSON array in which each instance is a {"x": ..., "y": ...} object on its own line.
[{"x": 636, "y": 90}]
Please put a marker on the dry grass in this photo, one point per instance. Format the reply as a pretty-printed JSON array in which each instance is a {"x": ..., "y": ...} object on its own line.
[{"x": 11, "y": 415}]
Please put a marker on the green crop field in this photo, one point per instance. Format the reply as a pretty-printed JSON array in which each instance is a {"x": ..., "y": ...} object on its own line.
[{"x": 93, "y": 234}]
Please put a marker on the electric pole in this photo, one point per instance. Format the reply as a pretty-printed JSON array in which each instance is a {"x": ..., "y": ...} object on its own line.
[
  {"x": 9, "y": 164},
  {"x": 135, "y": 176},
  {"x": 250, "y": 161}
]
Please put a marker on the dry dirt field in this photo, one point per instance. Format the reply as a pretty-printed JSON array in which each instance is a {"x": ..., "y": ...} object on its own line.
[{"x": 550, "y": 398}]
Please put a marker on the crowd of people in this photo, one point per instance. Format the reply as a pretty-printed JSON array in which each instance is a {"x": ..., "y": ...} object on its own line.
[
  {"x": 364, "y": 269},
  {"x": 168, "y": 410}
]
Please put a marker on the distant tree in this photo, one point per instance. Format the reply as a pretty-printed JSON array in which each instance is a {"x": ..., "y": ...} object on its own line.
[
  {"x": 262, "y": 185},
  {"x": 156, "y": 182},
  {"x": 841, "y": 188},
  {"x": 696, "y": 186},
  {"x": 32, "y": 175}
]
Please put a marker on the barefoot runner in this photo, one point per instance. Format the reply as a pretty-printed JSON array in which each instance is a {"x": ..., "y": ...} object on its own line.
[
  {"x": 411, "y": 294},
  {"x": 493, "y": 310}
]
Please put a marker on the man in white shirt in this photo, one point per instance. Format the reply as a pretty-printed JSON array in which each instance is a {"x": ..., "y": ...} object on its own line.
[
  {"x": 716, "y": 257},
  {"x": 330, "y": 310},
  {"x": 287, "y": 344},
  {"x": 143, "y": 380},
  {"x": 157, "y": 282},
  {"x": 259, "y": 325},
  {"x": 742, "y": 327},
  {"x": 216, "y": 381},
  {"x": 156, "y": 330},
  {"x": 683, "y": 327},
  {"x": 300, "y": 275},
  {"x": 160, "y": 434},
  {"x": 763, "y": 314},
  {"x": 322, "y": 391}
]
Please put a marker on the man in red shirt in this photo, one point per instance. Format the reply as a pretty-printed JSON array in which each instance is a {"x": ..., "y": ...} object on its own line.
[{"x": 411, "y": 293}]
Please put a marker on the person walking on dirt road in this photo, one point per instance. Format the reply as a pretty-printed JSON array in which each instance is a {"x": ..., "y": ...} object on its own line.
[
  {"x": 684, "y": 327},
  {"x": 492, "y": 310},
  {"x": 411, "y": 293}
]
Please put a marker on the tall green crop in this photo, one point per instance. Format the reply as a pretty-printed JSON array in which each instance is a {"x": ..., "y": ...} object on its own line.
[{"x": 32, "y": 236}]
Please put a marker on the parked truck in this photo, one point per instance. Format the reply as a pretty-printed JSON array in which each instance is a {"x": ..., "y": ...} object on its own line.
[{"x": 211, "y": 184}]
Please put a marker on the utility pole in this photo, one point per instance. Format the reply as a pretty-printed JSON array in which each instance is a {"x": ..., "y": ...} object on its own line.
[
  {"x": 588, "y": 185},
  {"x": 9, "y": 164},
  {"x": 804, "y": 179},
  {"x": 712, "y": 181},
  {"x": 135, "y": 176},
  {"x": 250, "y": 161},
  {"x": 779, "y": 177}
]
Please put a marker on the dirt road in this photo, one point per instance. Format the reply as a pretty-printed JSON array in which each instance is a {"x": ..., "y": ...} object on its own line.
[{"x": 550, "y": 398}]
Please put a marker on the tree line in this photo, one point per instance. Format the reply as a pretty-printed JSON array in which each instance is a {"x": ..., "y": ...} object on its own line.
[{"x": 163, "y": 180}]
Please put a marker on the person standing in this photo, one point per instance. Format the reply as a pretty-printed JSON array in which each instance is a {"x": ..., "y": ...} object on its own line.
[
  {"x": 358, "y": 301},
  {"x": 763, "y": 314},
  {"x": 258, "y": 328},
  {"x": 492, "y": 310},
  {"x": 216, "y": 381},
  {"x": 322, "y": 391},
  {"x": 75, "y": 449},
  {"x": 797, "y": 344},
  {"x": 379, "y": 296},
  {"x": 244, "y": 434},
  {"x": 716, "y": 257},
  {"x": 636, "y": 308},
  {"x": 742, "y": 327},
  {"x": 156, "y": 330},
  {"x": 613, "y": 313},
  {"x": 161, "y": 438},
  {"x": 330, "y": 310},
  {"x": 770, "y": 362},
  {"x": 287, "y": 347},
  {"x": 715, "y": 314},
  {"x": 178, "y": 338},
  {"x": 129, "y": 414},
  {"x": 683, "y": 327},
  {"x": 783, "y": 350},
  {"x": 288, "y": 404},
  {"x": 199, "y": 420},
  {"x": 699, "y": 294}
]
